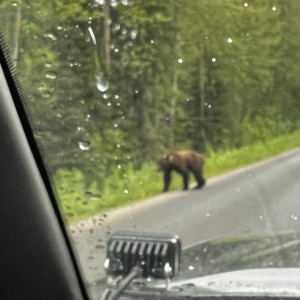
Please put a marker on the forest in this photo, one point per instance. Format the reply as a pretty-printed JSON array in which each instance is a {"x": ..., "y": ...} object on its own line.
[{"x": 112, "y": 84}]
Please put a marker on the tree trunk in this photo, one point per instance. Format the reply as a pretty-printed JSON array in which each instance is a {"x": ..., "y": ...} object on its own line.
[
  {"x": 106, "y": 35},
  {"x": 173, "y": 109},
  {"x": 201, "y": 99}
]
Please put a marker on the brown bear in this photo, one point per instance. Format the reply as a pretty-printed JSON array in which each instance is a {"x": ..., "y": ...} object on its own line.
[{"x": 183, "y": 162}]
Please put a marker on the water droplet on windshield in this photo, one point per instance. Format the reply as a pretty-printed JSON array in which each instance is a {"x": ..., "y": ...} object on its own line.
[
  {"x": 214, "y": 59},
  {"x": 83, "y": 138},
  {"x": 126, "y": 191},
  {"x": 51, "y": 75},
  {"x": 51, "y": 36},
  {"x": 113, "y": 3},
  {"x": 46, "y": 95},
  {"x": 246, "y": 4},
  {"x": 99, "y": 2},
  {"x": 92, "y": 35},
  {"x": 101, "y": 82},
  {"x": 294, "y": 217},
  {"x": 191, "y": 268},
  {"x": 84, "y": 145},
  {"x": 180, "y": 60},
  {"x": 116, "y": 27},
  {"x": 274, "y": 8},
  {"x": 133, "y": 34},
  {"x": 48, "y": 64},
  {"x": 230, "y": 40}
]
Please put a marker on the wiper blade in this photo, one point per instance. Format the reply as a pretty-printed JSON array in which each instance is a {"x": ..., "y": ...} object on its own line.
[{"x": 110, "y": 294}]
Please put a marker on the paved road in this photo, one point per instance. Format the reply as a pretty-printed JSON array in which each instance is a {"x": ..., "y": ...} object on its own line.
[{"x": 261, "y": 198}]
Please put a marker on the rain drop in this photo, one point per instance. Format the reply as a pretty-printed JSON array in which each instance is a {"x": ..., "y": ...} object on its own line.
[
  {"x": 99, "y": 2},
  {"x": 48, "y": 64},
  {"x": 46, "y": 95},
  {"x": 114, "y": 3},
  {"x": 229, "y": 40},
  {"x": 133, "y": 34},
  {"x": 101, "y": 82},
  {"x": 116, "y": 27},
  {"x": 51, "y": 75},
  {"x": 191, "y": 268},
  {"x": 246, "y": 4},
  {"x": 180, "y": 60},
  {"x": 213, "y": 59},
  {"x": 126, "y": 191},
  {"x": 84, "y": 145},
  {"x": 294, "y": 217},
  {"x": 274, "y": 8},
  {"x": 123, "y": 34},
  {"x": 92, "y": 35},
  {"x": 51, "y": 36}
]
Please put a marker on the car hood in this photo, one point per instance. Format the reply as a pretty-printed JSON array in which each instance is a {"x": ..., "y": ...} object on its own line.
[
  {"x": 247, "y": 265},
  {"x": 251, "y": 282},
  {"x": 257, "y": 265},
  {"x": 240, "y": 253}
]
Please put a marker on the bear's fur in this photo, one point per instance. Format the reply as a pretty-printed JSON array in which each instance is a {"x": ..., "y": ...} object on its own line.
[{"x": 183, "y": 162}]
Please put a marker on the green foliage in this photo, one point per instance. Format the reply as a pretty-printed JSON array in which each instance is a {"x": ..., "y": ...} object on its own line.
[
  {"x": 125, "y": 186},
  {"x": 113, "y": 84}
]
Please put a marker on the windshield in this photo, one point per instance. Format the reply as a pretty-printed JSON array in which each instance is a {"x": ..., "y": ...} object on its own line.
[{"x": 179, "y": 117}]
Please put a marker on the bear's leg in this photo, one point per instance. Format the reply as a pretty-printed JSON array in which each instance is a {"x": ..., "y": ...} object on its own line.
[
  {"x": 185, "y": 178},
  {"x": 167, "y": 180},
  {"x": 200, "y": 180}
]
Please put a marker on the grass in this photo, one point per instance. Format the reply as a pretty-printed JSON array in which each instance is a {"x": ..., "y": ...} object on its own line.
[{"x": 126, "y": 186}]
